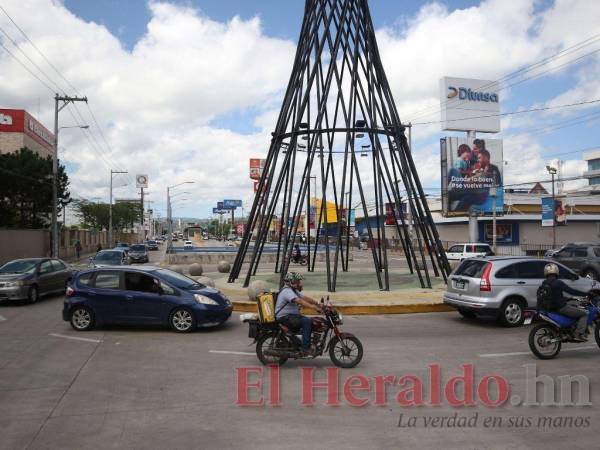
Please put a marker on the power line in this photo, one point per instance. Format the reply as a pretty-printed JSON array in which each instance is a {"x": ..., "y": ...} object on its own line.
[
  {"x": 27, "y": 68},
  {"x": 59, "y": 73},
  {"x": 525, "y": 69},
  {"x": 512, "y": 112}
]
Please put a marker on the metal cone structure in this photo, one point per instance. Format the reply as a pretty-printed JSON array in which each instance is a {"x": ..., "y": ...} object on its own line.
[{"x": 339, "y": 131}]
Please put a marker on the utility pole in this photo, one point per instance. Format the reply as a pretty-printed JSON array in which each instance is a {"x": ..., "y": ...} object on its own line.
[
  {"x": 473, "y": 229},
  {"x": 493, "y": 194},
  {"x": 57, "y": 108},
  {"x": 110, "y": 227},
  {"x": 142, "y": 212}
]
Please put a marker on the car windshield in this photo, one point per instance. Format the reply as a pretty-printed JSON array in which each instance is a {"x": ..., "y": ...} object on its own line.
[
  {"x": 23, "y": 266},
  {"x": 471, "y": 268},
  {"x": 137, "y": 248},
  {"x": 122, "y": 244},
  {"x": 179, "y": 280},
  {"x": 109, "y": 256}
]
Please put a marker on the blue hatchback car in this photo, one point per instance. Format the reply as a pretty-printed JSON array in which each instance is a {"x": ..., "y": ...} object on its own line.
[{"x": 143, "y": 296}]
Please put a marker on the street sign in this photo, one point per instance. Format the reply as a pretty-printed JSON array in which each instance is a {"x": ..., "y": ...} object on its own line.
[
  {"x": 256, "y": 168},
  {"x": 141, "y": 181}
]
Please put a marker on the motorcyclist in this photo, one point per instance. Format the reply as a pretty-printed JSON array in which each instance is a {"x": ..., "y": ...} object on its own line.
[
  {"x": 559, "y": 303},
  {"x": 287, "y": 310},
  {"x": 297, "y": 253}
]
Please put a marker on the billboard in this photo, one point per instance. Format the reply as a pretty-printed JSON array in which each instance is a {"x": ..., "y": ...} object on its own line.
[
  {"x": 256, "y": 168},
  {"x": 219, "y": 211},
  {"x": 390, "y": 217},
  {"x": 141, "y": 181},
  {"x": 553, "y": 211},
  {"x": 232, "y": 204},
  {"x": 472, "y": 172},
  {"x": 469, "y": 105}
]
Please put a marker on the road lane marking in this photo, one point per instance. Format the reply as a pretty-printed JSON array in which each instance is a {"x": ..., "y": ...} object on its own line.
[
  {"x": 499, "y": 355},
  {"x": 227, "y": 352},
  {"x": 96, "y": 341},
  {"x": 2, "y": 318}
]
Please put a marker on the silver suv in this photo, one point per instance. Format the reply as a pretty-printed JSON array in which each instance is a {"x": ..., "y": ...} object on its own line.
[{"x": 504, "y": 286}]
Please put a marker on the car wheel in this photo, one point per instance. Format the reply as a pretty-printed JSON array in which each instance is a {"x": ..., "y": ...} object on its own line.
[
  {"x": 512, "y": 313},
  {"x": 467, "y": 314},
  {"x": 34, "y": 294},
  {"x": 182, "y": 320},
  {"x": 590, "y": 273},
  {"x": 82, "y": 318}
]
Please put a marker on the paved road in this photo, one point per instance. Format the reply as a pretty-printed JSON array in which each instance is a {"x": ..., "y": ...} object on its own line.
[{"x": 152, "y": 388}]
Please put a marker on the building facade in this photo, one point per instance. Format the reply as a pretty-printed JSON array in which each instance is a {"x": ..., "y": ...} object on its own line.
[{"x": 20, "y": 129}]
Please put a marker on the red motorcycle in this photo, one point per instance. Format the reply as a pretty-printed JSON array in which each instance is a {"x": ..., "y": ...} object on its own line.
[{"x": 276, "y": 343}]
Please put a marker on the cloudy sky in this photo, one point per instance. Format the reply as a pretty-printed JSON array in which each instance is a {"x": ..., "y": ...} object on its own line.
[{"x": 189, "y": 90}]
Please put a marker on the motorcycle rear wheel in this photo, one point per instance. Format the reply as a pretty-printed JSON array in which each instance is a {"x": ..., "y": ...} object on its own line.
[
  {"x": 346, "y": 352},
  {"x": 538, "y": 344},
  {"x": 265, "y": 342}
]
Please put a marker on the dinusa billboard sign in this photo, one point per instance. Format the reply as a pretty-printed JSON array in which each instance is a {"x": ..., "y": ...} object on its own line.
[{"x": 469, "y": 105}]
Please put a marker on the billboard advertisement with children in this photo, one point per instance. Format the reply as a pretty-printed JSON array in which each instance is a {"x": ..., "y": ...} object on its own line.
[{"x": 472, "y": 175}]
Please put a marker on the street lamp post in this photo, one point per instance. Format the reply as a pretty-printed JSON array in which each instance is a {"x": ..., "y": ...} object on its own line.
[
  {"x": 110, "y": 227},
  {"x": 552, "y": 171},
  {"x": 169, "y": 213},
  {"x": 57, "y": 108}
]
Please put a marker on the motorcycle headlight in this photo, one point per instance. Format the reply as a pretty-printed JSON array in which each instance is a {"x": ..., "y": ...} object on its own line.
[
  {"x": 15, "y": 283},
  {"x": 340, "y": 319},
  {"x": 204, "y": 300}
]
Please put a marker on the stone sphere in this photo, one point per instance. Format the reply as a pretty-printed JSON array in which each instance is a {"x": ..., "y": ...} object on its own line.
[
  {"x": 224, "y": 267},
  {"x": 196, "y": 269},
  {"x": 206, "y": 281},
  {"x": 256, "y": 288}
]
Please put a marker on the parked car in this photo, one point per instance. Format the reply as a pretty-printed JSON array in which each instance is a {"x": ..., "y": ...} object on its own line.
[
  {"x": 152, "y": 244},
  {"x": 582, "y": 257},
  {"x": 123, "y": 246},
  {"x": 458, "y": 252},
  {"x": 29, "y": 279},
  {"x": 142, "y": 295},
  {"x": 138, "y": 253},
  {"x": 188, "y": 245},
  {"x": 504, "y": 286},
  {"x": 114, "y": 257}
]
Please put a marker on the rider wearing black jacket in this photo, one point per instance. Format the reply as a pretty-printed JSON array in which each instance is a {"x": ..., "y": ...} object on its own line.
[{"x": 559, "y": 302}]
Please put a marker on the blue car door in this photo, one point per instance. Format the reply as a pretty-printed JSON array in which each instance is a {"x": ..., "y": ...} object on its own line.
[
  {"x": 107, "y": 296},
  {"x": 145, "y": 304}
]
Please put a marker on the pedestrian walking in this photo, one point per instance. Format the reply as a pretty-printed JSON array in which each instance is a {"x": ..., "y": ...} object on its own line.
[{"x": 78, "y": 249}]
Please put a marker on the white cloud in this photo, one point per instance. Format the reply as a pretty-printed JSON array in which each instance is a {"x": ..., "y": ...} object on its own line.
[{"x": 157, "y": 102}]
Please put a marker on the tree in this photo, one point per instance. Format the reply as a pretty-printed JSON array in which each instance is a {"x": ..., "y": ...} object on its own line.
[
  {"x": 26, "y": 189},
  {"x": 96, "y": 215}
]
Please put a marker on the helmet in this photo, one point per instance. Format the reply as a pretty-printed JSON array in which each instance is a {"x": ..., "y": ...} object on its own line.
[
  {"x": 292, "y": 277},
  {"x": 550, "y": 269}
]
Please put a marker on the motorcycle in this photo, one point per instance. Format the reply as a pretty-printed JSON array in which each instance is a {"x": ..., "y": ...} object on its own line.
[
  {"x": 276, "y": 343},
  {"x": 302, "y": 260},
  {"x": 547, "y": 337}
]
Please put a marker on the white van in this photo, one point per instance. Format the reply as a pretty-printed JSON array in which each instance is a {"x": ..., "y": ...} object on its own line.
[{"x": 458, "y": 252}]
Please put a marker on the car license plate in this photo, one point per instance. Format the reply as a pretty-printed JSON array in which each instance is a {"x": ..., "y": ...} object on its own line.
[
  {"x": 460, "y": 284},
  {"x": 527, "y": 320}
]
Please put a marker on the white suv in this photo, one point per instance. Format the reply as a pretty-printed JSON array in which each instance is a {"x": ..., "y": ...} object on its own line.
[{"x": 458, "y": 252}]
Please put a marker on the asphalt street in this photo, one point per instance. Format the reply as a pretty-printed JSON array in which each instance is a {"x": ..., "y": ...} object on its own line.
[{"x": 129, "y": 388}]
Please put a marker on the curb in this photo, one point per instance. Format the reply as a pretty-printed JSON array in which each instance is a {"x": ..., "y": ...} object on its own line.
[{"x": 412, "y": 308}]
